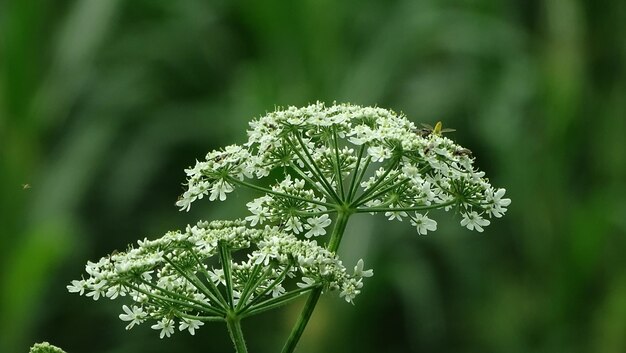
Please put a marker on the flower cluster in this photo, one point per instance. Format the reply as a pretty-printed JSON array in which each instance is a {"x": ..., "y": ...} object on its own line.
[
  {"x": 214, "y": 269},
  {"x": 370, "y": 159},
  {"x": 45, "y": 347}
]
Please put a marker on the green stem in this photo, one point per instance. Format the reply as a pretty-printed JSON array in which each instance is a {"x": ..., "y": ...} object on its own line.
[
  {"x": 236, "y": 335},
  {"x": 321, "y": 176},
  {"x": 309, "y": 306},
  {"x": 338, "y": 164},
  {"x": 318, "y": 186},
  {"x": 225, "y": 258},
  {"x": 272, "y": 192},
  {"x": 357, "y": 174},
  {"x": 376, "y": 184},
  {"x": 198, "y": 284},
  {"x": 382, "y": 192},
  {"x": 340, "y": 227},
  {"x": 405, "y": 209}
]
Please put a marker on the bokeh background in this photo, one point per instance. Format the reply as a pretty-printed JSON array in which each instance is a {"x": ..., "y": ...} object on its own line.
[{"x": 103, "y": 103}]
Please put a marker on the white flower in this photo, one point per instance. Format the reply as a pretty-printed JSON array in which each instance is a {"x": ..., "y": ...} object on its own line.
[
  {"x": 351, "y": 289},
  {"x": 474, "y": 221},
  {"x": 306, "y": 282},
  {"x": 395, "y": 215},
  {"x": 358, "y": 270},
  {"x": 278, "y": 290},
  {"x": 257, "y": 217},
  {"x": 423, "y": 224},
  {"x": 114, "y": 292},
  {"x": 220, "y": 189},
  {"x": 316, "y": 225},
  {"x": 498, "y": 205},
  {"x": 136, "y": 316},
  {"x": 259, "y": 212},
  {"x": 166, "y": 326},
  {"x": 294, "y": 224},
  {"x": 97, "y": 290},
  {"x": 201, "y": 189},
  {"x": 412, "y": 171},
  {"x": 196, "y": 170},
  {"x": 77, "y": 287},
  {"x": 190, "y": 325},
  {"x": 379, "y": 153},
  {"x": 185, "y": 201},
  {"x": 217, "y": 276}
]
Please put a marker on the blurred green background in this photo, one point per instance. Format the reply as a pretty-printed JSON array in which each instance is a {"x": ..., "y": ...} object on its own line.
[{"x": 103, "y": 103}]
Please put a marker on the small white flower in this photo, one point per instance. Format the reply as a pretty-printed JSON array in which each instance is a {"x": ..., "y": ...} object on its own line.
[
  {"x": 196, "y": 170},
  {"x": 166, "y": 326},
  {"x": 190, "y": 325},
  {"x": 317, "y": 225},
  {"x": 217, "y": 276},
  {"x": 114, "y": 292},
  {"x": 306, "y": 282},
  {"x": 498, "y": 205},
  {"x": 257, "y": 217},
  {"x": 185, "y": 201},
  {"x": 97, "y": 290},
  {"x": 412, "y": 171},
  {"x": 358, "y": 270},
  {"x": 395, "y": 215},
  {"x": 474, "y": 221},
  {"x": 278, "y": 290},
  {"x": 136, "y": 316},
  {"x": 379, "y": 153},
  {"x": 77, "y": 287},
  {"x": 350, "y": 290},
  {"x": 201, "y": 189},
  {"x": 219, "y": 190},
  {"x": 294, "y": 224},
  {"x": 423, "y": 224}
]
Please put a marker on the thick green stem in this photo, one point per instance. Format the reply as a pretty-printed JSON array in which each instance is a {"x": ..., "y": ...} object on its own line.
[
  {"x": 305, "y": 315},
  {"x": 309, "y": 306},
  {"x": 236, "y": 335},
  {"x": 340, "y": 227}
]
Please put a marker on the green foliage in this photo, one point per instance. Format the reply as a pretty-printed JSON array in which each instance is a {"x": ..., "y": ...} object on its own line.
[{"x": 103, "y": 103}]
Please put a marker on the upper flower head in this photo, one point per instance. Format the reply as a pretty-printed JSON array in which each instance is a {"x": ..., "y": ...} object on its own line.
[{"x": 369, "y": 158}]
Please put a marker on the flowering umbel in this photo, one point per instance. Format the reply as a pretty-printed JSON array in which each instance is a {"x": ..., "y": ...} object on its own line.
[
  {"x": 45, "y": 347},
  {"x": 186, "y": 278},
  {"x": 371, "y": 159}
]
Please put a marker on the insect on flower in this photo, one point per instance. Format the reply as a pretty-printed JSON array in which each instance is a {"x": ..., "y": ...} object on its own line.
[
  {"x": 438, "y": 130},
  {"x": 463, "y": 152}
]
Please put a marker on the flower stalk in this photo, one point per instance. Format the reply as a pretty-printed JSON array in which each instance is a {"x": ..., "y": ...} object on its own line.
[
  {"x": 309, "y": 306},
  {"x": 236, "y": 334}
]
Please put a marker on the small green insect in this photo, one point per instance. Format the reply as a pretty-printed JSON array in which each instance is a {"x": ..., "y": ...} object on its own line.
[{"x": 438, "y": 130}]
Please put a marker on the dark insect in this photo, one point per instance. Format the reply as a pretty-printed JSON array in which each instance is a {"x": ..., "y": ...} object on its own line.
[
  {"x": 463, "y": 152},
  {"x": 220, "y": 157}
]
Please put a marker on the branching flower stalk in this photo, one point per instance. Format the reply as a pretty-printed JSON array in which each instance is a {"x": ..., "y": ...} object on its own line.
[{"x": 313, "y": 166}]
